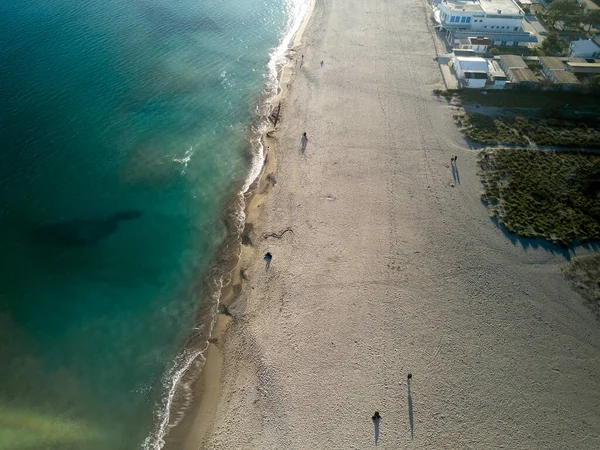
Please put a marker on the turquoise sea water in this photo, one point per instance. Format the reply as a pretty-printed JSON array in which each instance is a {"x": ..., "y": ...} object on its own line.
[{"x": 124, "y": 129}]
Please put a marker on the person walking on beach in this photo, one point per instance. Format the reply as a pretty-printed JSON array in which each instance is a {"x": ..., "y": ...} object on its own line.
[
  {"x": 455, "y": 158},
  {"x": 302, "y": 61},
  {"x": 376, "y": 420},
  {"x": 268, "y": 258},
  {"x": 322, "y": 64},
  {"x": 304, "y": 141},
  {"x": 452, "y": 160}
]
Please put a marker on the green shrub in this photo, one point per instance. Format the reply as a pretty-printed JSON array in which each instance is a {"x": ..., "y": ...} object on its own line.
[{"x": 547, "y": 194}]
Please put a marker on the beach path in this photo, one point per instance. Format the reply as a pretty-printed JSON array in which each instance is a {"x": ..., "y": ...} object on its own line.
[{"x": 394, "y": 266}]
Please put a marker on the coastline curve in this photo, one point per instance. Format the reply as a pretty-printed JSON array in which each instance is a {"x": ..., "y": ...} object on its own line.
[{"x": 190, "y": 363}]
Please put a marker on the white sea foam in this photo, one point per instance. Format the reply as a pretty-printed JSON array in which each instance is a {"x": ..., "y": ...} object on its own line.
[
  {"x": 297, "y": 10},
  {"x": 175, "y": 385}
]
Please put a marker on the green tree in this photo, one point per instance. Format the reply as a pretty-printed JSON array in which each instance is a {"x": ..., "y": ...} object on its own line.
[
  {"x": 561, "y": 10},
  {"x": 537, "y": 52},
  {"x": 574, "y": 20},
  {"x": 591, "y": 19},
  {"x": 552, "y": 45}
]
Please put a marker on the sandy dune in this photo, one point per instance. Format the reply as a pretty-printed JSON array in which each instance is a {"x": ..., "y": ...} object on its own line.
[{"x": 391, "y": 269}]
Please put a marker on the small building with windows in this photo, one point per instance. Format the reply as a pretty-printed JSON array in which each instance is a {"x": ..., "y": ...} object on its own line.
[
  {"x": 479, "y": 44},
  {"x": 471, "y": 71}
]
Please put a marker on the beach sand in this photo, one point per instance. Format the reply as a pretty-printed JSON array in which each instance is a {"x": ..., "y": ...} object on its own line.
[{"x": 393, "y": 266}]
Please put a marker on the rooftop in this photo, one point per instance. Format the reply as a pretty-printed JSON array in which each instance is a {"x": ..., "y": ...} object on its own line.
[
  {"x": 582, "y": 64},
  {"x": 500, "y": 7},
  {"x": 476, "y": 74},
  {"x": 488, "y": 6},
  {"x": 513, "y": 61},
  {"x": 477, "y": 59},
  {"x": 564, "y": 77},
  {"x": 494, "y": 69},
  {"x": 463, "y": 52},
  {"x": 552, "y": 63},
  {"x": 479, "y": 41},
  {"x": 522, "y": 75},
  {"x": 463, "y": 5},
  {"x": 498, "y": 36},
  {"x": 585, "y": 44},
  {"x": 585, "y": 67}
]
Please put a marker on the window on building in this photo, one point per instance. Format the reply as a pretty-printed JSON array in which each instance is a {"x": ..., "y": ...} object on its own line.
[
  {"x": 468, "y": 20},
  {"x": 463, "y": 19},
  {"x": 492, "y": 26},
  {"x": 452, "y": 19},
  {"x": 516, "y": 28},
  {"x": 485, "y": 26}
]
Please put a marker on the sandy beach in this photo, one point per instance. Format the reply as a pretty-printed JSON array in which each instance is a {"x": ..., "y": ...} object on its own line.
[{"x": 392, "y": 266}]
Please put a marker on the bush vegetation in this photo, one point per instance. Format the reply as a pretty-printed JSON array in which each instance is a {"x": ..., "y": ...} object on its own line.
[
  {"x": 549, "y": 101},
  {"x": 520, "y": 130},
  {"x": 553, "y": 195}
]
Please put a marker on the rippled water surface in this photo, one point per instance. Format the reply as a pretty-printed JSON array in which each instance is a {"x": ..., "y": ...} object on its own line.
[{"x": 123, "y": 130}]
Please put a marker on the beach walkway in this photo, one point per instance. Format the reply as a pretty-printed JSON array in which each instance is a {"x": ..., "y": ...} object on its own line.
[{"x": 394, "y": 266}]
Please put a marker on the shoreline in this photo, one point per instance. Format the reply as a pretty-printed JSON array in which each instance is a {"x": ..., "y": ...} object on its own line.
[
  {"x": 197, "y": 417},
  {"x": 393, "y": 267}
]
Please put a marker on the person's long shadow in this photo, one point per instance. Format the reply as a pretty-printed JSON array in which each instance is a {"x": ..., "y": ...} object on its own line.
[
  {"x": 376, "y": 423},
  {"x": 455, "y": 174},
  {"x": 410, "y": 412}
]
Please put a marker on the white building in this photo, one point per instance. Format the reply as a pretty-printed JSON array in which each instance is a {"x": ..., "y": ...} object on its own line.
[
  {"x": 587, "y": 48},
  {"x": 481, "y": 15},
  {"x": 499, "y": 20},
  {"x": 472, "y": 71}
]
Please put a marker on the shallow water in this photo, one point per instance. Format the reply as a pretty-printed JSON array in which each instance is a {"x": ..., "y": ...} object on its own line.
[{"x": 139, "y": 108}]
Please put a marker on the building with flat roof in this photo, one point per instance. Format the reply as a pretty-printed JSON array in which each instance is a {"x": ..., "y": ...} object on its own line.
[
  {"x": 556, "y": 71},
  {"x": 564, "y": 78},
  {"x": 584, "y": 48},
  {"x": 551, "y": 63},
  {"x": 499, "y": 20},
  {"x": 480, "y": 15},
  {"x": 479, "y": 44},
  {"x": 471, "y": 71},
  {"x": 583, "y": 67},
  {"x": 508, "y": 62},
  {"x": 522, "y": 77}
]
